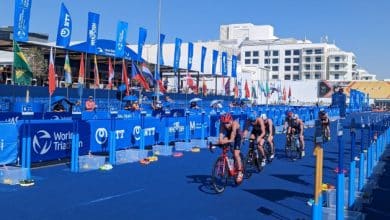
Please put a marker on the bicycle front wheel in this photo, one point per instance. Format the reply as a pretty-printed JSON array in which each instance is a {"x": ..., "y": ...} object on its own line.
[{"x": 219, "y": 176}]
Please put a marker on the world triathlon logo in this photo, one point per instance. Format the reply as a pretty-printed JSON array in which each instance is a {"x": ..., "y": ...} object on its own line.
[
  {"x": 42, "y": 142},
  {"x": 137, "y": 132},
  {"x": 101, "y": 135}
]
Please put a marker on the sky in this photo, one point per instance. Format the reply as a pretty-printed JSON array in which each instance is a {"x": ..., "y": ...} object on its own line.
[{"x": 358, "y": 26}]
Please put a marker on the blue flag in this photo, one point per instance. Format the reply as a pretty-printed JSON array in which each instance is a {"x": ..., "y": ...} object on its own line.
[
  {"x": 190, "y": 55},
  {"x": 141, "y": 42},
  {"x": 92, "y": 32},
  {"x": 204, "y": 50},
  {"x": 21, "y": 19},
  {"x": 176, "y": 58},
  {"x": 121, "y": 33},
  {"x": 214, "y": 66},
  {"x": 234, "y": 66},
  {"x": 64, "y": 31},
  {"x": 224, "y": 63},
  {"x": 162, "y": 38}
]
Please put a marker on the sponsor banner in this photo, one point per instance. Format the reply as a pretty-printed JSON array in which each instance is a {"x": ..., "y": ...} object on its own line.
[{"x": 8, "y": 143}]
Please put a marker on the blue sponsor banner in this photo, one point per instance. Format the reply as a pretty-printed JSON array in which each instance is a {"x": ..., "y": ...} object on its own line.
[
  {"x": 224, "y": 63},
  {"x": 121, "y": 33},
  {"x": 234, "y": 66},
  {"x": 190, "y": 55},
  {"x": 204, "y": 50},
  {"x": 141, "y": 42},
  {"x": 92, "y": 32},
  {"x": 21, "y": 20},
  {"x": 8, "y": 143},
  {"x": 176, "y": 58},
  {"x": 214, "y": 66},
  {"x": 176, "y": 128},
  {"x": 196, "y": 126},
  {"x": 162, "y": 39},
  {"x": 52, "y": 139},
  {"x": 64, "y": 31}
]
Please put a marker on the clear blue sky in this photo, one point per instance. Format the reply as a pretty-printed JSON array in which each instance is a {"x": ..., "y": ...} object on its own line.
[{"x": 359, "y": 26}]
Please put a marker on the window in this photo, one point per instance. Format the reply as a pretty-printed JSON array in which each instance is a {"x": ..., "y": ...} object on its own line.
[
  {"x": 336, "y": 76},
  {"x": 275, "y": 60},
  {"x": 317, "y": 67},
  {"x": 267, "y": 53},
  {"x": 296, "y": 68},
  {"x": 287, "y": 77},
  {"x": 255, "y": 61},
  {"x": 296, "y": 52},
  {"x": 307, "y": 76},
  {"x": 318, "y": 59},
  {"x": 309, "y": 52},
  {"x": 266, "y": 61},
  {"x": 275, "y": 68},
  {"x": 287, "y": 68},
  {"x": 275, "y": 53},
  {"x": 287, "y": 53},
  {"x": 337, "y": 59},
  {"x": 287, "y": 60},
  {"x": 295, "y": 77},
  {"x": 275, "y": 77},
  {"x": 336, "y": 67},
  {"x": 317, "y": 76},
  {"x": 318, "y": 51},
  {"x": 255, "y": 53},
  {"x": 247, "y": 61},
  {"x": 296, "y": 60},
  {"x": 307, "y": 59},
  {"x": 307, "y": 67},
  {"x": 247, "y": 53}
]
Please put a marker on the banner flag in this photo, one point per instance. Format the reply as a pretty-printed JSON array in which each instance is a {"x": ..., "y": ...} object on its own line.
[
  {"x": 121, "y": 33},
  {"x": 176, "y": 59},
  {"x": 52, "y": 74},
  {"x": 67, "y": 70},
  {"x": 141, "y": 42},
  {"x": 234, "y": 66},
  {"x": 22, "y": 73},
  {"x": 92, "y": 32},
  {"x": 21, "y": 20},
  {"x": 190, "y": 55},
  {"x": 214, "y": 66},
  {"x": 224, "y": 63},
  {"x": 162, "y": 39},
  {"x": 64, "y": 31},
  {"x": 204, "y": 50}
]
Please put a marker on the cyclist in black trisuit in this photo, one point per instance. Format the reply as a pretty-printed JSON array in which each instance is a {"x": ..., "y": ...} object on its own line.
[
  {"x": 297, "y": 127},
  {"x": 269, "y": 133},
  {"x": 258, "y": 133},
  {"x": 230, "y": 132},
  {"x": 325, "y": 122}
]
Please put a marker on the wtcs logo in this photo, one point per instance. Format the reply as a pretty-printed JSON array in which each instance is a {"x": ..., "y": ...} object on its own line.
[{"x": 42, "y": 142}]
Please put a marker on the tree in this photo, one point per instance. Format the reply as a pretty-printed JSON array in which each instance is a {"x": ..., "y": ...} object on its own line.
[{"x": 39, "y": 65}]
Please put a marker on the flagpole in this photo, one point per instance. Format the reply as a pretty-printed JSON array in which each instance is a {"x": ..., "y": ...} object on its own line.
[{"x": 157, "y": 88}]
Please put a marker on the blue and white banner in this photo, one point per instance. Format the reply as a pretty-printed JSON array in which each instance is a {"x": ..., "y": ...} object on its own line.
[
  {"x": 190, "y": 55},
  {"x": 64, "y": 31},
  {"x": 214, "y": 66},
  {"x": 234, "y": 66},
  {"x": 224, "y": 63},
  {"x": 204, "y": 50},
  {"x": 21, "y": 20},
  {"x": 121, "y": 33},
  {"x": 92, "y": 32},
  {"x": 162, "y": 38},
  {"x": 176, "y": 59},
  {"x": 141, "y": 42}
]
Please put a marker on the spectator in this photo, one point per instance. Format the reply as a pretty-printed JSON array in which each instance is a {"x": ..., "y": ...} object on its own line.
[
  {"x": 156, "y": 105},
  {"x": 128, "y": 106},
  {"x": 90, "y": 104},
  {"x": 135, "y": 106},
  {"x": 194, "y": 105},
  {"x": 58, "y": 107}
]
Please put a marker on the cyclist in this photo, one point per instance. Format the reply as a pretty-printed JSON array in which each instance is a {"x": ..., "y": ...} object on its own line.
[
  {"x": 323, "y": 117},
  {"x": 269, "y": 133},
  {"x": 229, "y": 132},
  {"x": 297, "y": 127},
  {"x": 257, "y": 133},
  {"x": 287, "y": 124}
]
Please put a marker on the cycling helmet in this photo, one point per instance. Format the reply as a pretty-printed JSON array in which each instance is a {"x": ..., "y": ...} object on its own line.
[
  {"x": 252, "y": 116},
  {"x": 264, "y": 116},
  {"x": 226, "y": 118},
  {"x": 289, "y": 113},
  {"x": 295, "y": 116},
  {"x": 322, "y": 112}
]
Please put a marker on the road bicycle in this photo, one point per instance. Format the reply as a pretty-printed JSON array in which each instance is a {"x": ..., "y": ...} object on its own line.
[
  {"x": 293, "y": 149},
  {"x": 254, "y": 158},
  {"x": 225, "y": 167}
]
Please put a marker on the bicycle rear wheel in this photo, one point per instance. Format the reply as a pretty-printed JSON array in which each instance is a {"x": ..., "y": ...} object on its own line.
[{"x": 219, "y": 176}]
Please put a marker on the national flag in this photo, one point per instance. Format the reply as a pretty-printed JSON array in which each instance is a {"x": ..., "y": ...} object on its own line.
[
  {"x": 289, "y": 92},
  {"x": 136, "y": 74},
  {"x": 147, "y": 74},
  {"x": 67, "y": 70},
  {"x": 111, "y": 73},
  {"x": 227, "y": 87},
  {"x": 191, "y": 84},
  {"x": 161, "y": 86},
  {"x": 254, "y": 93},
  {"x": 52, "y": 74},
  {"x": 284, "y": 98},
  {"x": 81, "y": 70},
  {"x": 235, "y": 90},
  {"x": 204, "y": 88},
  {"x": 96, "y": 73},
  {"x": 22, "y": 73},
  {"x": 267, "y": 90},
  {"x": 125, "y": 78},
  {"x": 247, "y": 92}
]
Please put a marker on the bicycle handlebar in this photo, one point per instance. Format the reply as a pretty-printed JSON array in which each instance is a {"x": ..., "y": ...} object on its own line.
[{"x": 212, "y": 146}]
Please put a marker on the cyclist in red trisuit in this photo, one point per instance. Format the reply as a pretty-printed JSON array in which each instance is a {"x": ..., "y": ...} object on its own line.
[{"x": 229, "y": 132}]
